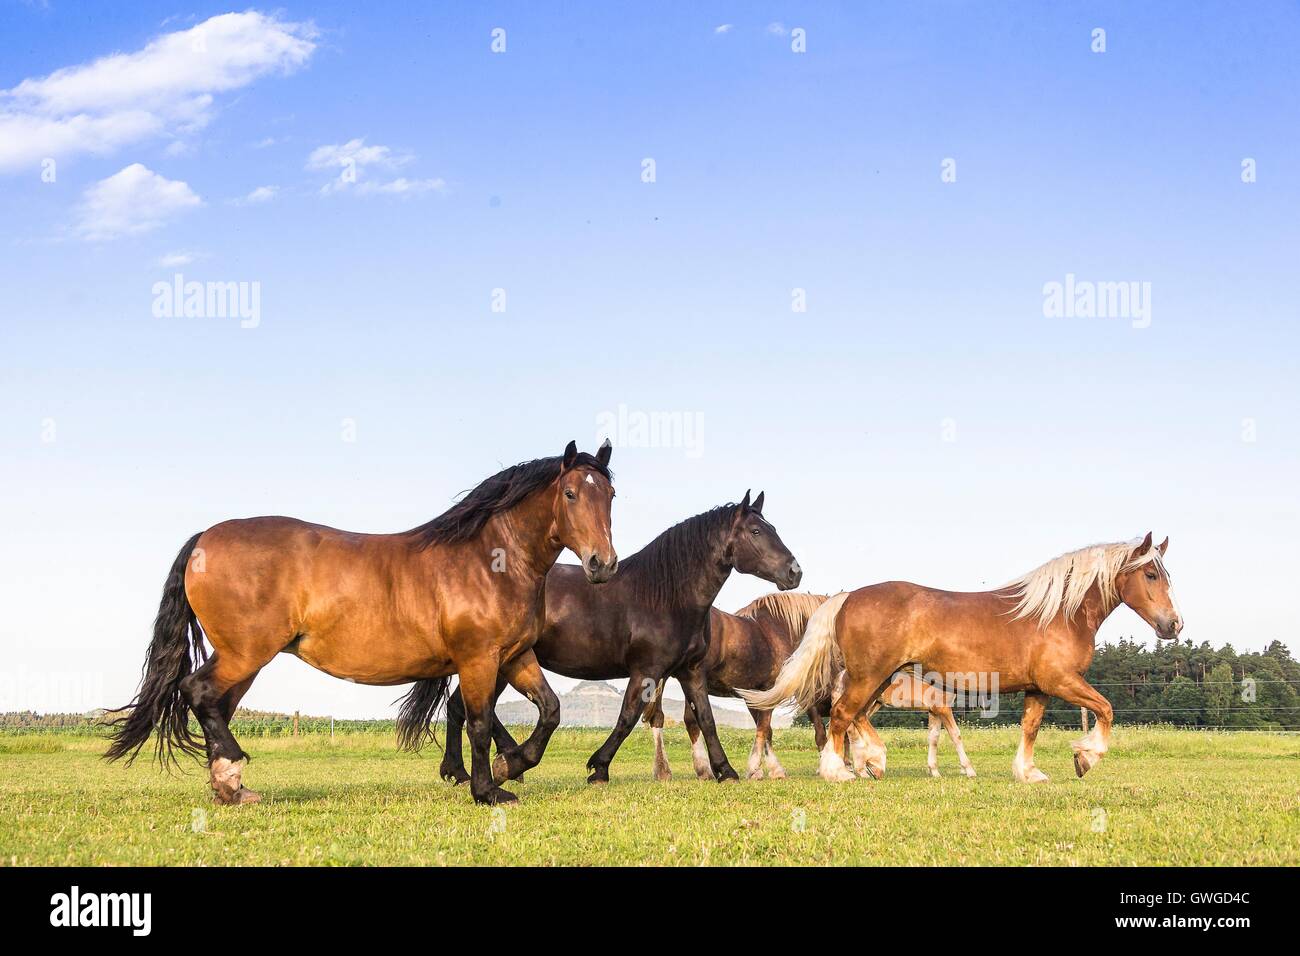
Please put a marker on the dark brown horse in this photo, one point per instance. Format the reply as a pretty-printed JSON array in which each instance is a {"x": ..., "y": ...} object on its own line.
[
  {"x": 461, "y": 594},
  {"x": 1034, "y": 635},
  {"x": 650, "y": 623}
]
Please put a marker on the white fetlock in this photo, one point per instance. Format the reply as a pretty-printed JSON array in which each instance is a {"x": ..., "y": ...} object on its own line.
[{"x": 832, "y": 767}]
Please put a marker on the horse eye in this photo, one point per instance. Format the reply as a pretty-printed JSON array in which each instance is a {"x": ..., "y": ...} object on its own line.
[
  {"x": 1151, "y": 575},
  {"x": 757, "y": 531},
  {"x": 568, "y": 493}
]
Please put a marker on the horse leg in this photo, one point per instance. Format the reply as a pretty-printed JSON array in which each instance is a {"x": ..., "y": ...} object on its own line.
[
  {"x": 1073, "y": 689},
  {"x": 754, "y": 767},
  {"x": 819, "y": 726},
  {"x": 654, "y": 715},
  {"x": 954, "y": 734},
  {"x": 699, "y": 752},
  {"x": 633, "y": 705},
  {"x": 1022, "y": 767},
  {"x": 212, "y": 692},
  {"x": 697, "y": 698},
  {"x": 763, "y": 720},
  {"x": 868, "y": 749},
  {"x": 452, "y": 769},
  {"x": 932, "y": 754},
  {"x": 855, "y": 696},
  {"x": 478, "y": 683},
  {"x": 525, "y": 676}
]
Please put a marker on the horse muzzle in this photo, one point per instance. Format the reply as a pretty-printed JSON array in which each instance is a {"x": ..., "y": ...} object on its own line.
[{"x": 600, "y": 570}]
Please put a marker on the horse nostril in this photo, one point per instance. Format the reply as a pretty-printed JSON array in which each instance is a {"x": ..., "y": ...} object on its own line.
[{"x": 593, "y": 564}]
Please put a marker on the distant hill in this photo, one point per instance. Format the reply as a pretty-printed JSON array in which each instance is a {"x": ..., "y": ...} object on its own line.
[{"x": 594, "y": 703}]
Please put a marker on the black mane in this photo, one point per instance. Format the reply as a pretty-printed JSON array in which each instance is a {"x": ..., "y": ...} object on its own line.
[
  {"x": 667, "y": 569},
  {"x": 466, "y": 518}
]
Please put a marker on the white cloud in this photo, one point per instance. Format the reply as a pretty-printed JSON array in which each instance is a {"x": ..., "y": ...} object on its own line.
[
  {"x": 133, "y": 201},
  {"x": 404, "y": 186},
  {"x": 353, "y": 158},
  {"x": 723, "y": 28},
  {"x": 174, "y": 259},
  {"x": 168, "y": 86},
  {"x": 777, "y": 28},
  {"x": 260, "y": 194}
]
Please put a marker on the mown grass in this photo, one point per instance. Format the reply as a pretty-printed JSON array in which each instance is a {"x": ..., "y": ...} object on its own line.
[{"x": 1161, "y": 796}]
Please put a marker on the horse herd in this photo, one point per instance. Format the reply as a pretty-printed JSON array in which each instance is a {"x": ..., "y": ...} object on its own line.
[{"x": 476, "y": 593}]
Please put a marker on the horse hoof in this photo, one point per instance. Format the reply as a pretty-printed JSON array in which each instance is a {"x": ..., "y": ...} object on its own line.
[
  {"x": 499, "y": 797},
  {"x": 934, "y": 771},
  {"x": 247, "y": 796},
  {"x": 969, "y": 771},
  {"x": 728, "y": 776},
  {"x": 664, "y": 775},
  {"x": 597, "y": 779},
  {"x": 842, "y": 775},
  {"x": 500, "y": 769},
  {"x": 777, "y": 774},
  {"x": 455, "y": 776},
  {"x": 756, "y": 775}
]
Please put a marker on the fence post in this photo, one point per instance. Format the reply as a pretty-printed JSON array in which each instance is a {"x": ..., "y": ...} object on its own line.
[
  {"x": 331, "y": 727},
  {"x": 1083, "y": 715},
  {"x": 295, "y": 723}
]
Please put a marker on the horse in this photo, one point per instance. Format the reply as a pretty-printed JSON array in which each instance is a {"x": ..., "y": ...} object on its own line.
[
  {"x": 650, "y": 623},
  {"x": 461, "y": 594},
  {"x": 747, "y": 649},
  {"x": 1036, "y": 634}
]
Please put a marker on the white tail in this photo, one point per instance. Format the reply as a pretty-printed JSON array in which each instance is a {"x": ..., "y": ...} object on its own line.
[{"x": 807, "y": 677}]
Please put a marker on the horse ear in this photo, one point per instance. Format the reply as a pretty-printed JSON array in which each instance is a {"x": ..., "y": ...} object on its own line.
[
  {"x": 1145, "y": 546},
  {"x": 571, "y": 455},
  {"x": 758, "y": 503},
  {"x": 1164, "y": 546},
  {"x": 744, "y": 503},
  {"x": 603, "y": 453}
]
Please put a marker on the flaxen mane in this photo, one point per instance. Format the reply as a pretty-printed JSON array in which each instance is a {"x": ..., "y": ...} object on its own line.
[
  {"x": 1061, "y": 583},
  {"x": 789, "y": 609}
]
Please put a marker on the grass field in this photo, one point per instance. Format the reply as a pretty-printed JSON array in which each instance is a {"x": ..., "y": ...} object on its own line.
[{"x": 1161, "y": 796}]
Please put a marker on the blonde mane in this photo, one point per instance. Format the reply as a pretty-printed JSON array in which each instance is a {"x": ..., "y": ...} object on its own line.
[
  {"x": 1061, "y": 583},
  {"x": 790, "y": 609}
]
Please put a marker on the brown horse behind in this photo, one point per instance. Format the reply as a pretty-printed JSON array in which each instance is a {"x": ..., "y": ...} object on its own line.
[
  {"x": 1035, "y": 635},
  {"x": 462, "y": 594},
  {"x": 748, "y": 649}
]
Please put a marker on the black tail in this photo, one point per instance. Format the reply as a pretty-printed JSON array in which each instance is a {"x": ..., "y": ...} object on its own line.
[
  {"x": 176, "y": 649},
  {"x": 420, "y": 706}
]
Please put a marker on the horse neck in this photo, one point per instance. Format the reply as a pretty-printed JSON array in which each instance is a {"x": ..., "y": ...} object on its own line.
[
  {"x": 1092, "y": 613},
  {"x": 528, "y": 531},
  {"x": 695, "y": 579}
]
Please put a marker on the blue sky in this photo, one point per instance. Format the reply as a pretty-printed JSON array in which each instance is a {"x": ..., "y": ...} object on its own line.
[{"x": 922, "y": 419}]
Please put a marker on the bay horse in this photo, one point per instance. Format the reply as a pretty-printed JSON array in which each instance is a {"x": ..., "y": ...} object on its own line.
[
  {"x": 1036, "y": 634},
  {"x": 748, "y": 649},
  {"x": 650, "y": 623},
  {"x": 461, "y": 594}
]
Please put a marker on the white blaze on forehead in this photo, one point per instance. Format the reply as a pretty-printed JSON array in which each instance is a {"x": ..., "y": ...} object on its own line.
[{"x": 589, "y": 479}]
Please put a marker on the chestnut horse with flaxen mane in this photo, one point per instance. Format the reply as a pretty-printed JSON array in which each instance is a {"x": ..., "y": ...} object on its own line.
[
  {"x": 462, "y": 594},
  {"x": 1036, "y": 634}
]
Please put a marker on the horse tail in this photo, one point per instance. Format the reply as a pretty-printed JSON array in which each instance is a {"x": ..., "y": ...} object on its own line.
[
  {"x": 654, "y": 707},
  {"x": 176, "y": 649},
  {"x": 420, "y": 706},
  {"x": 809, "y": 674}
]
